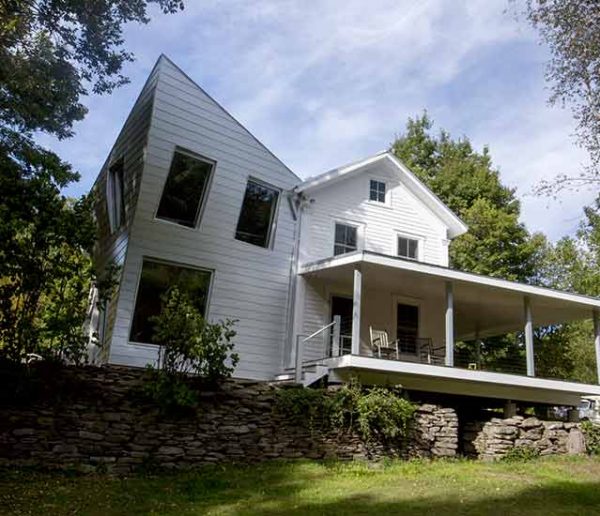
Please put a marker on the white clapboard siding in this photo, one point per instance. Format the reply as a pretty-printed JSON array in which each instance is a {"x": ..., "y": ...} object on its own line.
[
  {"x": 130, "y": 144},
  {"x": 250, "y": 284}
]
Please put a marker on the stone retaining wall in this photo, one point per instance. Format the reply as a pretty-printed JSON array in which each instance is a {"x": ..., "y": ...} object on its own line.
[
  {"x": 493, "y": 439},
  {"x": 102, "y": 422}
]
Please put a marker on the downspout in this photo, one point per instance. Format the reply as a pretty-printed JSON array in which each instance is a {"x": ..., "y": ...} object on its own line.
[{"x": 297, "y": 206}]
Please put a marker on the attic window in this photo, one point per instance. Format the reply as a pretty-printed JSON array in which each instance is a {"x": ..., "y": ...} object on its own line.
[
  {"x": 257, "y": 216},
  {"x": 114, "y": 196},
  {"x": 377, "y": 191},
  {"x": 185, "y": 189}
]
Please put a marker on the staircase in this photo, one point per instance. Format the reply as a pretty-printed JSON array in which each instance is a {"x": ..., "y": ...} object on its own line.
[{"x": 311, "y": 374}]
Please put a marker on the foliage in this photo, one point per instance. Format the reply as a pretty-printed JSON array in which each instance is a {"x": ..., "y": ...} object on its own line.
[
  {"x": 592, "y": 437},
  {"x": 570, "y": 29},
  {"x": 45, "y": 266},
  {"x": 376, "y": 413},
  {"x": 521, "y": 454},
  {"x": 52, "y": 53},
  {"x": 190, "y": 345}
]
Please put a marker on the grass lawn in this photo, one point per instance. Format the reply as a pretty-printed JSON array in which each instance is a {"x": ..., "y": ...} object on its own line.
[{"x": 558, "y": 485}]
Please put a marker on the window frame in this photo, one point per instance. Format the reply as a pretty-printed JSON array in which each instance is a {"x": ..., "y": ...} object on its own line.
[
  {"x": 415, "y": 238},
  {"x": 270, "y": 241},
  {"x": 346, "y": 223},
  {"x": 171, "y": 263},
  {"x": 386, "y": 194},
  {"x": 115, "y": 195},
  {"x": 203, "y": 200}
]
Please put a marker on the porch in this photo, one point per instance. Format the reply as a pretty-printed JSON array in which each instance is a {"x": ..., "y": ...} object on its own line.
[{"x": 424, "y": 310}]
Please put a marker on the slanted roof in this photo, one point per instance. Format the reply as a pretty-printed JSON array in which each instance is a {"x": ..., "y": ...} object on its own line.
[{"x": 455, "y": 225}]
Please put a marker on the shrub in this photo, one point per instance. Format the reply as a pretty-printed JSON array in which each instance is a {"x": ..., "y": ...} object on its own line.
[
  {"x": 521, "y": 454},
  {"x": 592, "y": 437},
  {"x": 375, "y": 413},
  {"x": 190, "y": 345}
]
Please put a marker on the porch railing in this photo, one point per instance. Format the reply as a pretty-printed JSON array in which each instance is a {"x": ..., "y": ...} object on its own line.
[{"x": 317, "y": 343}]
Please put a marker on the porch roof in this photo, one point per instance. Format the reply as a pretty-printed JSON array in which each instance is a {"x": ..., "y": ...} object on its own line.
[{"x": 483, "y": 306}]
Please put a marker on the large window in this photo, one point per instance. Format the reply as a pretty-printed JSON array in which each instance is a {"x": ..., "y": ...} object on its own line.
[
  {"x": 156, "y": 279},
  {"x": 256, "y": 221},
  {"x": 185, "y": 189},
  {"x": 377, "y": 191},
  {"x": 408, "y": 248},
  {"x": 345, "y": 239},
  {"x": 114, "y": 196}
]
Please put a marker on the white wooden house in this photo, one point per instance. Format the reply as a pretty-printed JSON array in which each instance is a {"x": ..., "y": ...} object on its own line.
[{"x": 342, "y": 274}]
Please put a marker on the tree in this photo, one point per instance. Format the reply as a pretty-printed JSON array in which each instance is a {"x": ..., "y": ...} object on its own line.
[
  {"x": 52, "y": 53},
  {"x": 571, "y": 29},
  {"x": 497, "y": 244}
]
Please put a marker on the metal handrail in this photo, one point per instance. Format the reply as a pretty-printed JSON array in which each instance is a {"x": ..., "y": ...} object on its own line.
[
  {"x": 300, "y": 345},
  {"x": 319, "y": 331}
]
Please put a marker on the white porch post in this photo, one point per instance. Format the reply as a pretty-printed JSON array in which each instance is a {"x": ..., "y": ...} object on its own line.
[
  {"x": 529, "y": 337},
  {"x": 597, "y": 339},
  {"x": 449, "y": 324},
  {"x": 356, "y": 301}
]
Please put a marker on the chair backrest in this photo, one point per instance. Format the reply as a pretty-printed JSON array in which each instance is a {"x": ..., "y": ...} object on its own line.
[{"x": 379, "y": 338}]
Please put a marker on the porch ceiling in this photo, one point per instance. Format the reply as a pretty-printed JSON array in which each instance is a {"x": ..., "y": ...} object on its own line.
[{"x": 483, "y": 305}]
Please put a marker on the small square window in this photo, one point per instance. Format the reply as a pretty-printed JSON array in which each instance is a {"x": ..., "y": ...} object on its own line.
[
  {"x": 115, "y": 196},
  {"x": 408, "y": 248},
  {"x": 257, "y": 216},
  {"x": 184, "y": 191},
  {"x": 345, "y": 239},
  {"x": 156, "y": 279},
  {"x": 377, "y": 191}
]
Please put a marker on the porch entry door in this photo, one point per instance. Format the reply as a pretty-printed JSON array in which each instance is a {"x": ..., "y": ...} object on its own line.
[
  {"x": 343, "y": 307},
  {"x": 407, "y": 327}
]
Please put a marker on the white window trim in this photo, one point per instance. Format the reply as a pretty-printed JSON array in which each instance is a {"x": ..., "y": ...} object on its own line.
[
  {"x": 420, "y": 245},
  {"x": 143, "y": 259},
  {"x": 273, "y": 227},
  {"x": 203, "y": 200},
  {"x": 360, "y": 234},
  {"x": 388, "y": 193}
]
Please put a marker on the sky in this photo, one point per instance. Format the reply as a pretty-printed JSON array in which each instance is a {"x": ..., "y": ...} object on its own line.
[{"x": 327, "y": 82}]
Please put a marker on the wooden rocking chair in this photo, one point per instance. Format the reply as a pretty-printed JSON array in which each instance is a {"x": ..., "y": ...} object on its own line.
[{"x": 380, "y": 341}]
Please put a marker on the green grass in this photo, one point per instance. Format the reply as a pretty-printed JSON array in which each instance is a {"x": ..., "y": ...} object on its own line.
[{"x": 558, "y": 485}]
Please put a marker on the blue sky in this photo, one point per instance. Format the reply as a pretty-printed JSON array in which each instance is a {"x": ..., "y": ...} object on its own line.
[{"x": 326, "y": 82}]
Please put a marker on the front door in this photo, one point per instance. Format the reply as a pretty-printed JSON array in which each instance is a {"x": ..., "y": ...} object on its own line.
[
  {"x": 407, "y": 327},
  {"x": 343, "y": 306}
]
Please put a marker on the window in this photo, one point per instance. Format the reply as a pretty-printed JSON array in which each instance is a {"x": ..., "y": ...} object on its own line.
[
  {"x": 155, "y": 280},
  {"x": 345, "y": 239},
  {"x": 114, "y": 196},
  {"x": 407, "y": 329},
  {"x": 408, "y": 248},
  {"x": 184, "y": 190},
  {"x": 377, "y": 191},
  {"x": 257, "y": 216}
]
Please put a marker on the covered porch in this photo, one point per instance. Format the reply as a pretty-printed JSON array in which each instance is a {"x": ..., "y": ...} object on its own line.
[{"x": 352, "y": 301}]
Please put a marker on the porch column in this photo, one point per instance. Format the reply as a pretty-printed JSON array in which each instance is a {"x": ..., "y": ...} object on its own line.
[
  {"x": 356, "y": 301},
  {"x": 449, "y": 324},
  {"x": 597, "y": 339},
  {"x": 529, "y": 337}
]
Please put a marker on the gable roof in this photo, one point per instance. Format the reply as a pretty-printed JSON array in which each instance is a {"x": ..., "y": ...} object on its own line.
[{"x": 455, "y": 225}]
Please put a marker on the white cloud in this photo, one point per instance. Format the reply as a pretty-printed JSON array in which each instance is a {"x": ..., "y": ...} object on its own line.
[{"x": 324, "y": 83}]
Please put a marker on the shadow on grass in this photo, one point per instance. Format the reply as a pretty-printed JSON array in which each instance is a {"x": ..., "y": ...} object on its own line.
[{"x": 309, "y": 488}]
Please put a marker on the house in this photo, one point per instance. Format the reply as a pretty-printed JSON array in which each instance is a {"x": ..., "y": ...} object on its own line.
[{"x": 344, "y": 274}]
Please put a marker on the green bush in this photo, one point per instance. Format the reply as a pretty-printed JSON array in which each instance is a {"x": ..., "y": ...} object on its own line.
[
  {"x": 521, "y": 454},
  {"x": 190, "y": 346},
  {"x": 375, "y": 413},
  {"x": 592, "y": 437}
]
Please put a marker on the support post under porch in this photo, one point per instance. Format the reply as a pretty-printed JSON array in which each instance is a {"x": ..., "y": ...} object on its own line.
[
  {"x": 529, "y": 337},
  {"x": 449, "y": 361},
  {"x": 596, "y": 316},
  {"x": 356, "y": 307}
]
